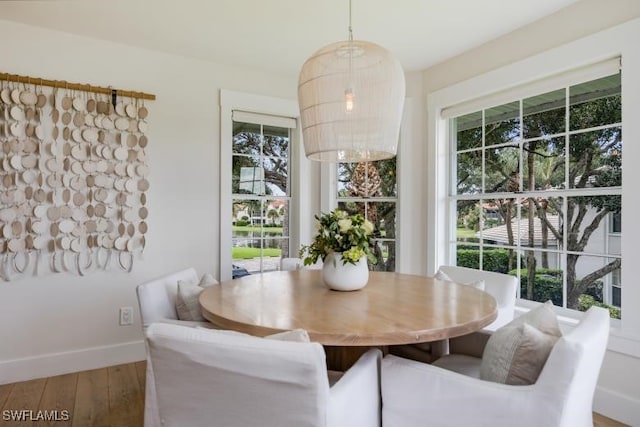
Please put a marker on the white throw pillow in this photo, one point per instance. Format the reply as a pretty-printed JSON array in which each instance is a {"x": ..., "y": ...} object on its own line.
[
  {"x": 441, "y": 275},
  {"x": 187, "y": 304},
  {"x": 516, "y": 353},
  {"x": 207, "y": 280},
  {"x": 542, "y": 318}
]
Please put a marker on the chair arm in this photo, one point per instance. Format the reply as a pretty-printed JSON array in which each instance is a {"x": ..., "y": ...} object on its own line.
[
  {"x": 416, "y": 394},
  {"x": 354, "y": 401},
  {"x": 192, "y": 323}
]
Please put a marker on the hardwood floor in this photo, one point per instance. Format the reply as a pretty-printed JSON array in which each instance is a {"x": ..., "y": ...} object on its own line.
[
  {"x": 602, "y": 421},
  {"x": 107, "y": 397}
]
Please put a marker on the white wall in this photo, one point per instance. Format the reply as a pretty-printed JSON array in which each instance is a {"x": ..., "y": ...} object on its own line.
[
  {"x": 578, "y": 20},
  {"x": 55, "y": 323},
  {"x": 411, "y": 173},
  {"x": 618, "y": 393}
]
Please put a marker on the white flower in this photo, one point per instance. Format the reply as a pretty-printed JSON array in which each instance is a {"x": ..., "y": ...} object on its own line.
[
  {"x": 367, "y": 226},
  {"x": 345, "y": 225}
]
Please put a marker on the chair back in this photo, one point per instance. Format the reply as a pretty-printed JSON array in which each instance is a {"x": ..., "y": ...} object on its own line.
[
  {"x": 298, "y": 264},
  {"x": 206, "y": 377},
  {"x": 503, "y": 287},
  {"x": 571, "y": 372},
  {"x": 157, "y": 297},
  {"x": 291, "y": 264}
]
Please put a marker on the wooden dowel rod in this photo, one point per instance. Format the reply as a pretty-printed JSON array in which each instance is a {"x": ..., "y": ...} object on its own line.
[{"x": 74, "y": 86}]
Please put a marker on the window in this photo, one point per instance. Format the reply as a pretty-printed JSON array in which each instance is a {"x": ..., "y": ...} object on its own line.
[
  {"x": 370, "y": 188},
  {"x": 613, "y": 292},
  {"x": 259, "y": 182},
  {"x": 616, "y": 223},
  {"x": 544, "y": 72},
  {"x": 261, "y": 193},
  {"x": 615, "y": 288},
  {"x": 534, "y": 182}
]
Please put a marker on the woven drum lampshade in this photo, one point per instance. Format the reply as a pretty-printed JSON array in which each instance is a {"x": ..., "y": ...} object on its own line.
[{"x": 351, "y": 96}]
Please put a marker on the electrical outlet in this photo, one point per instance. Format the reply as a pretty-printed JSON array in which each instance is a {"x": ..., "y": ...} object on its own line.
[{"x": 126, "y": 316}]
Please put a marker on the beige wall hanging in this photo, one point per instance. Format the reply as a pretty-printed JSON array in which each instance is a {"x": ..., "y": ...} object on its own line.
[{"x": 73, "y": 176}]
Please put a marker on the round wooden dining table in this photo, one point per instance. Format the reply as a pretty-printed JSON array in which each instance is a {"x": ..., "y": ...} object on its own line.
[{"x": 391, "y": 309}]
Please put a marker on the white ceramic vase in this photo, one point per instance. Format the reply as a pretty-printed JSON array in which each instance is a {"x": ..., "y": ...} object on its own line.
[{"x": 344, "y": 277}]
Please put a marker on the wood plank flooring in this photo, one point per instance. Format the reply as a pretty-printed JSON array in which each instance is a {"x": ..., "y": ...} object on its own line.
[{"x": 107, "y": 397}]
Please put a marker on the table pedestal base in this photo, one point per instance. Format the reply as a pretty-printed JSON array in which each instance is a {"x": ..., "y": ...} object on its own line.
[{"x": 341, "y": 358}]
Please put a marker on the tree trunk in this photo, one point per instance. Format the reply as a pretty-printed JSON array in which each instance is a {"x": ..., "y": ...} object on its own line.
[
  {"x": 531, "y": 274},
  {"x": 577, "y": 288},
  {"x": 390, "y": 229},
  {"x": 544, "y": 230},
  {"x": 509, "y": 225},
  {"x": 573, "y": 293}
]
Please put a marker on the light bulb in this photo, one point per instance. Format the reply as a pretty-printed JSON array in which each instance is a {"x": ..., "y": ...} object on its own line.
[{"x": 348, "y": 100}]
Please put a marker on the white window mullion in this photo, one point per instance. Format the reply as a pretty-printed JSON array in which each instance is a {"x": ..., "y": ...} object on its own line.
[
  {"x": 451, "y": 205},
  {"x": 565, "y": 222},
  {"x": 518, "y": 249},
  {"x": 483, "y": 192},
  {"x": 563, "y": 259}
]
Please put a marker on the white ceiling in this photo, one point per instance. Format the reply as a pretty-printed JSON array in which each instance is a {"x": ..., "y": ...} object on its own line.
[{"x": 278, "y": 35}]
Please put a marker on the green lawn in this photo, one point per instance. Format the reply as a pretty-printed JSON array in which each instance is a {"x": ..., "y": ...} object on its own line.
[
  {"x": 465, "y": 233},
  {"x": 257, "y": 229},
  {"x": 249, "y": 253}
]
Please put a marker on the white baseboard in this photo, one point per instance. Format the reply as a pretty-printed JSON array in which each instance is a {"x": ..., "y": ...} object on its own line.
[
  {"x": 73, "y": 361},
  {"x": 620, "y": 407}
]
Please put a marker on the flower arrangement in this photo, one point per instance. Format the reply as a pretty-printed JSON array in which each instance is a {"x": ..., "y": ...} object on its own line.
[{"x": 352, "y": 235}]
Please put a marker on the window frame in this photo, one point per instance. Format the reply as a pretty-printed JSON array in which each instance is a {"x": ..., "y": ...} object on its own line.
[
  {"x": 521, "y": 194},
  {"x": 261, "y": 195},
  {"x": 571, "y": 56},
  {"x": 258, "y": 104}
]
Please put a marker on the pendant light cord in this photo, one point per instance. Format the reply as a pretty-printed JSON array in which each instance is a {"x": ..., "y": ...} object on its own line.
[
  {"x": 348, "y": 93},
  {"x": 350, "y": 29}
]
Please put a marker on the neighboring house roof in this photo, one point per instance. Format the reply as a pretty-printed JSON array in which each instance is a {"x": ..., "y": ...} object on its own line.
[{"x": 499, "y": 234}]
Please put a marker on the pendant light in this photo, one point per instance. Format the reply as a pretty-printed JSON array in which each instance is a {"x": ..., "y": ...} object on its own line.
[{"x": 351, "y": 95}]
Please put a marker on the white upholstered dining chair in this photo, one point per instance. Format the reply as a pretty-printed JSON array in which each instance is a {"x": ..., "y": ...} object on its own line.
[
  {"x": 157, "y": 300},
  {"x": 502, "y": 287},
  {"x": 418, "y": 394},
  {"x": 218, "y": 378},
  {"x": 291, "y": 264}
]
